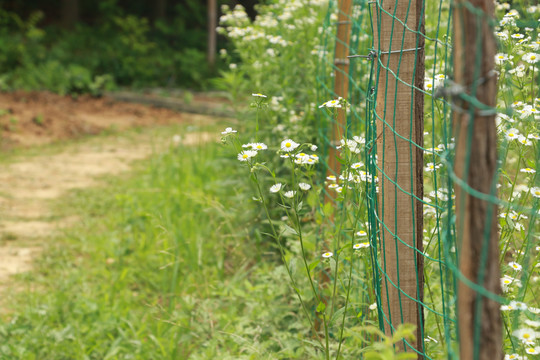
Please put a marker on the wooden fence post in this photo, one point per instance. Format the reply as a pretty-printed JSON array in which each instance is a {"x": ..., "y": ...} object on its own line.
[
  {"x": 212, "y": 34},
  {"x": 341, "y": 89},
  {"x": 341, "y": 81},
  {"x": 479, "y": 318},
  {"x": 400, "y": 127}
]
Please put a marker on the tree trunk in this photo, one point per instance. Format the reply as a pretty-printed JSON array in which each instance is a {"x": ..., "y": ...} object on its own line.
[
  {"x": 160, "y": 9},
  {"x": 70, "y": 13}
]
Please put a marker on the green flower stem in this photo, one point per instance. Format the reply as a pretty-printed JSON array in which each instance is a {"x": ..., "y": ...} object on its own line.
[
  {"x": 299, "y": 230},
  {"x": 507, "y": 243},
  {"x": 282, "y": 251},
  {"x": 342, "y": 328},
  {"x": 532, "y": 83},
  {"x": 339, "y": 233},
  {"x": 257, "y": 123}
]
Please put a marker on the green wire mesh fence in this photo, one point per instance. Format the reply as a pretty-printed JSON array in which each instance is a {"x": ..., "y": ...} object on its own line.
[{"x": 444, "y": 107}]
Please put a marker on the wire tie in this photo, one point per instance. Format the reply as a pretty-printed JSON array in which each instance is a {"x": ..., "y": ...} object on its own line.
[
  {"x": 372, "y": 54},
  {"x": 398, "y": 51},
  {"x": 338, "y": 61}
]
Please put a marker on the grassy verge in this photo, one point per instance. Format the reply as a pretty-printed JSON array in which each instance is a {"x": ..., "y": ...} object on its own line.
[{"x": 162, "y": 265}]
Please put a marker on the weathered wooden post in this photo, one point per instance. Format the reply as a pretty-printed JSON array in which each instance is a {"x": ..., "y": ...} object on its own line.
[
  {"x": 341, "y": 81},
  {"x": 479, "y": 318},
  {"x": 212, "y": 34},
  {"x": 341, "y": 89},
  {"x": 399, "y": 108}
]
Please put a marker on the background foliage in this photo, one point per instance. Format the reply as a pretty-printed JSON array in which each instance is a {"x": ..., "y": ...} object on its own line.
[{"x": 110, "y": 43}]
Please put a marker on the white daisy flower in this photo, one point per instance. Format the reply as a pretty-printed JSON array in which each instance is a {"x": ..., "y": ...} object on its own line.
[
  {"x": 535, "y": 191},
  {"x": 361, "y": 245},
  {"x": 304, "y": 186},
  {"x": 327, "y": 255},
  {"x": 331, "y": 104},
  {"x": 517, "y": 103},
  {"x": 519, "y": 305},
  {"x": 519, "y": 70},
  {"x": 517, "y": 36},
  {"x": 357, "y": 165},
  {"x": 430, "y": 167},
  {"x": 512, "y": 13},
  {"x": 333, "y": 186},
  {"x": 429, "y": 338},
  {"x": 289, "y": 145},
  {"x": 361, "y": 233},
  {"x": 513, "y": 357},
  {"x": 275, "y": 188},
  {"x": 259, "y": 95},
  {"x": 373, "y": 306},
  {"x": 533, "y": 136},
  {"x": 512, "y": 134},
  {"x": 501, "y": 58},
  {"x": 246, "y": 155},
  {"x": 532, "y": 323},
  {"x": 525, "y": 334},
  {"x": 533, "y": 350},
  {"x": 514, "y": 305},
  {"x": 528, "y": 170},
  {"x": 507, "y": 281},
  {"x": 228, "y": 131},
  {"x": 289, "y": 194},
  {"x": 522, "y": 139},
  {"x": 502, "y": 35},
  {"x": 259, "y": 146},
  {"x": 528, "y": 110},
  {"x": 428, "y": 84},
  {"x": 515, "y": 266},
  {"x": 331, "y": 178},
  {"x": 360, "y": 140},
  {"x": 531, "y": 58}
]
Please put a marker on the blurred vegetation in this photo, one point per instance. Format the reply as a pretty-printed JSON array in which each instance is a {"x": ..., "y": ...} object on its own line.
[
  {"x": 140, "y": 278},
  {"x": 103, "y": 44}
]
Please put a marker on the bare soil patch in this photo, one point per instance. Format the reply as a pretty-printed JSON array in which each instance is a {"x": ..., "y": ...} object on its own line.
[
  {"x": 28, "y": 186},
  {"x": 35, "y": 118}
]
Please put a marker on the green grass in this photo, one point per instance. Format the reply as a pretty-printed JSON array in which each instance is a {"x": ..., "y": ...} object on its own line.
[{"x": 163, "y": 264}]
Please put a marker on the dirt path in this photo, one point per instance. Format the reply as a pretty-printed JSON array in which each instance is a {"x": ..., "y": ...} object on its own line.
[{"x": 28, "y": 188}]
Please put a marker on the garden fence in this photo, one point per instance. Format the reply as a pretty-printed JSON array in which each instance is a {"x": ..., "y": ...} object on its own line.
[{"x": 421, "y": 81}]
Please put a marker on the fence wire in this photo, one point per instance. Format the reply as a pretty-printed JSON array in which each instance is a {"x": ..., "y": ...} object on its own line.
[{"x": 371, "y": 121}]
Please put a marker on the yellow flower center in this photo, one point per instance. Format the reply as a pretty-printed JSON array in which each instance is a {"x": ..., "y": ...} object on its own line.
[
  {"x": 288, "y": 145},
  {"x": 259, "y": 147},
  {"x": 533, "y": 57},
  {"x": 245, "y": 156},
  {"x": 526, "y": 336},
  {"x": 510, "y": 134}
]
